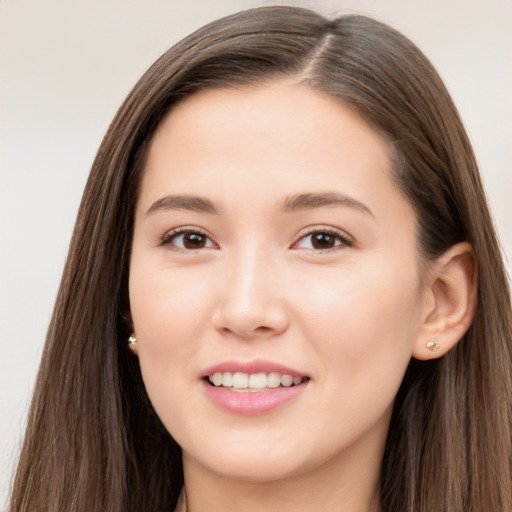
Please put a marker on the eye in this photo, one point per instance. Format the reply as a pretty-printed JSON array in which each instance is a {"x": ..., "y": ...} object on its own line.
[
  {"x": 188, "y": 239},
  {"x": 322, "y": 240}
]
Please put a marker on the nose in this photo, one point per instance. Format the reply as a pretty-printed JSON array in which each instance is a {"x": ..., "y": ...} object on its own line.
[{"x": 251, "y": 302}]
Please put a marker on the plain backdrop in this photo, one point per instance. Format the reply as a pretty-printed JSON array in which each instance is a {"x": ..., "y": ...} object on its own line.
[{"x": 66, "y": 66}]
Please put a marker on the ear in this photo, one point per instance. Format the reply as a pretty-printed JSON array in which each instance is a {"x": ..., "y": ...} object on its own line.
[
  {"x": 129, "y": 321},
  {"x": 132, "y": 340},
  {"x": 450, "y": 302}
]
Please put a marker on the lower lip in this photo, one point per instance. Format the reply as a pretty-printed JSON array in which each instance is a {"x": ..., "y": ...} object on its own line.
[{"x": 251, "y": 403}]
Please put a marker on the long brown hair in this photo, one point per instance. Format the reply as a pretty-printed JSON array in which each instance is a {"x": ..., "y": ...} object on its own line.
[{"x": 93, "y": 441}]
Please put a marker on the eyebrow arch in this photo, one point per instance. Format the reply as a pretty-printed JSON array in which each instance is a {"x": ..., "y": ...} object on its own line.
[
  {"x": 317, "y": 200},
  {"x": 183, "y": 202}
]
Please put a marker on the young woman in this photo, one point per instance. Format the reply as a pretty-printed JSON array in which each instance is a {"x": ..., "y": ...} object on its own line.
[{"x": 284, "y": 290}]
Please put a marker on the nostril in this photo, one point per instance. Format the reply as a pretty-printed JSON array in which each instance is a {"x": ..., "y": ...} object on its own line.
[
  {"x": 246, "y": 317},
  {"x": 263, "y": 329},
  {"x": 248, "y": 332}
]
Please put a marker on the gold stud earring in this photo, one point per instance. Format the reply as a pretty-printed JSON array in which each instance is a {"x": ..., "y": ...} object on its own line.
[
  {"x": 132, "y": 344},
  {"x": 432, "y": 345}
]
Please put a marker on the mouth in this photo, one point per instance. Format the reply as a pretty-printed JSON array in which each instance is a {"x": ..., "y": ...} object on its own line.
[
  {"x": 250, "y": 388},
  {"x": 253, "y": 382}
]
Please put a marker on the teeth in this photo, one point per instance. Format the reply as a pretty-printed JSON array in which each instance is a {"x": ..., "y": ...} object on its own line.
[
  {"x": 286, "y": 380},
  {"x": 227, "y": 379},
  {"x": 217, "y": 379},
  {"x": 239, "y": 381},
  {"x": 258, "y": 381},
  {"x": 273, "y": 380}
]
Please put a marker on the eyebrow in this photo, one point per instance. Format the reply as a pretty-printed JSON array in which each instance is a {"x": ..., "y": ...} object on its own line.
[
  {"x": 293, "y": 203},
  {"x": 317, "y": 200},
  {"x": 183, "y": 202}
]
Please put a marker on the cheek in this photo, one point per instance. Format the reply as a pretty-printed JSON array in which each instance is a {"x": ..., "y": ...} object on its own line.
[
  {"x": 167, "y": 317},
  {"x": 364, "y": 325},
  {"x": 352, "y": 303},
  {"x": 167, "y": 304}
]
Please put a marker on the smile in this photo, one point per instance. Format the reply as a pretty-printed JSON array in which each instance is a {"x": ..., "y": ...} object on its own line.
[
  {"x": 252, "y": 387},
  {"x": 255, "y": 382}
]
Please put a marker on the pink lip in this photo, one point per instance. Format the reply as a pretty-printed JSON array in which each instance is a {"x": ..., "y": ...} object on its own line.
[
  {"x": 249, "y": 403},
  {"x": 255, "y": 366}
]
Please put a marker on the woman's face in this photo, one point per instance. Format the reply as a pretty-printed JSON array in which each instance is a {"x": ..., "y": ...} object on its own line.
[{"x": 271, "y": 241}]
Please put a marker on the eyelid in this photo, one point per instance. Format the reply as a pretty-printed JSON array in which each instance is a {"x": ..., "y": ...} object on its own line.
[
  {"x": 169, "y": 236},
  {"x": 346, "y": 239}
]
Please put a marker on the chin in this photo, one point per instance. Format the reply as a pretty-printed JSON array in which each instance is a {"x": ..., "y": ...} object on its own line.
[
  {"x": 253, "y": 469},
  {"x": 256, "y": 462}
]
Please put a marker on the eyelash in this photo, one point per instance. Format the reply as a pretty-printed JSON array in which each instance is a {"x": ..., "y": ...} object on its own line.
[
  {"x": 340, "y": 237},
  {"x": 171, "y": 236}
]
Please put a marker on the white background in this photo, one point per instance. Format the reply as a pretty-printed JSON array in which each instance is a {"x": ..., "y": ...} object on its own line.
[{"x": 66, "y": 66}]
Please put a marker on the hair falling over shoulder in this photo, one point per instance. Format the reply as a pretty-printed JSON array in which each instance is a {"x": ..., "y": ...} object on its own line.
[{"x": 93, "y": 441}]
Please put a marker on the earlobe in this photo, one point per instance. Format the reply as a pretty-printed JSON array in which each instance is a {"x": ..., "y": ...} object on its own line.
[
  {"x": 452, "y": 299},
  {"x": 132, "y": 344},
  {"x": 132, "y": 340}
]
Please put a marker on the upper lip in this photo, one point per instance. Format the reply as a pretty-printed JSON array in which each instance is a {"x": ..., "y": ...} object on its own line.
[{"x": 251, "y": 367}]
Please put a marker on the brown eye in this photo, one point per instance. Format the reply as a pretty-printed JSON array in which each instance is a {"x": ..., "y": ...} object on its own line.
[
  {"x": 194, "y": 241},
  {"x": 188, "y": 240},
  {"x": 323, "y": 241}
]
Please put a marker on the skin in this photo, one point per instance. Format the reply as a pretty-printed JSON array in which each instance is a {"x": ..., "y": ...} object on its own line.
[{"x": 348, "y": 316}]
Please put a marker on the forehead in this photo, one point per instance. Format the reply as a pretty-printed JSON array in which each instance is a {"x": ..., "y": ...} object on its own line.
[
  {"x": 262, "y": 110},
  {"x": 281, "y": 131}
]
